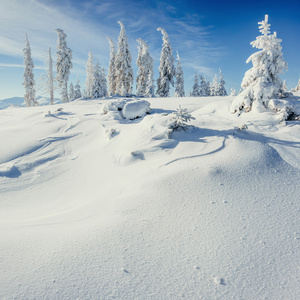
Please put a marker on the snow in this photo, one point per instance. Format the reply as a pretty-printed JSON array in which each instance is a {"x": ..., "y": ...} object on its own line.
[
  {"x": 136, "y": 109},
  {"x": 95, "y": 206}
]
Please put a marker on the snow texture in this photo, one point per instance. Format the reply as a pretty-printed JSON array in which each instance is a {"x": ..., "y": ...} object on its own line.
[{"x": 95, "y": 206}]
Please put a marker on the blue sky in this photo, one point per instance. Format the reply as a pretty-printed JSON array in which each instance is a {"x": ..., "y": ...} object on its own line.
[{"x": 207, "y": 34}]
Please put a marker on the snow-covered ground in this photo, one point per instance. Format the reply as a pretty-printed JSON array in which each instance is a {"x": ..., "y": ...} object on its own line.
[{"x": 95, "y": 206}]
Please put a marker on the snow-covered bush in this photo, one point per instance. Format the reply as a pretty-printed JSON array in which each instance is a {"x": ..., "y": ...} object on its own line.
[
  {"x": 287, "y": 109},
  {"x": 136, "y": 109},
  {"x": 262, "y": 82},
  {"x": 179, "y": 119}
]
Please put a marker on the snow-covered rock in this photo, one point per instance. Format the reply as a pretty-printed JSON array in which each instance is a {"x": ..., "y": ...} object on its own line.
[{"x": 136, "y": 109}]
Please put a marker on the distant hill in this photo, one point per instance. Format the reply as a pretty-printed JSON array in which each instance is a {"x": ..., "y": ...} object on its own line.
[{"x": 19, "y": 101}]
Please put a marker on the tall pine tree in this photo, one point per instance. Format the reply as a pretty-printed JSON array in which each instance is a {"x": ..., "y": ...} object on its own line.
[
  {"x": 112, "y": 78},
  {"x": 89, "y": 83},
  {"x": 166, "y": 68},
  {"x": 63, "y": 63},
  {"x": 29, "y": 82},
  {"x": 124, "y": 73},
  {"x": 179, "y": 90},
  {"x": 262, "y": 81}
]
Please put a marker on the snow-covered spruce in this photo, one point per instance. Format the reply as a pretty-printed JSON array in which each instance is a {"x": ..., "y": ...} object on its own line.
[
  {"x": 77, "y": 90},
  {"x": 29, "y": 82},
  {"x": 179, "y": 88},
  {"x": 145, "y": 66},
  {"x": 262, "y": 82},
  {"x": 71, "y": 92},
  {"x": 179, "y": 119},
  {"x": 166, "y": 68},
  {"x": 99, "y": 84},
  {"x": 63, "y": 64},
  {"x": 233, "y": 92},
  {"x": 112, "y": 79},
  {"x": 150, "y": 88},
  {"x": 297, "y": 88},
  {"x": 124, "y": 73},
  {"x": 89, "y": 83},
  {"x": 196, "y": 87},
  {"x": 221, "y": 91},
  {"x": 46, "y": 80},
  {"x": 214, "y": 86}
]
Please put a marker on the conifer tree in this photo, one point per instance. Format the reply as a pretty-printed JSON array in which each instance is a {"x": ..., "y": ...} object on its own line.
[
  {"x": 150, "y": 88},
  {"x": 262, "y": 81},
  {"x": 71, "y": 92},
  {"x": 29, "y": 82},
  {"x": 89, "y": 83},
  {"x": 214, "y": 86},
  {"x": 123, "y": 67},
  {"x": 233, "y": 92},
  {"x": 196, "y": 87},
  {"x": 179, "y": 90},
  {"x": 202, "y": 86},
  {"x": 112, "y": 78},
  {"x": 166, "y": 68},
  {"x": 221, "y": 86},
  {"x": 77, "y": 90},
  {"x": 46, "y": 84},
  {"x": 297, "y": 88},
  {"x": 63, "y": 64},
  {"x": 145, "y": 66},
  {"x": 207, "y": 87},
  {"x": 104, "y": 83},
  {"x": 97, "y": 90}
]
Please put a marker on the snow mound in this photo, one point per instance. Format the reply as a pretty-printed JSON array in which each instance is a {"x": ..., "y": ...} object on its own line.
[{"x": 136, "y": 109}]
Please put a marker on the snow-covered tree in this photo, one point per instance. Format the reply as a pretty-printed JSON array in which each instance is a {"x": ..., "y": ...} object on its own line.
[
  {"x": 150, "y": 88},
  {"x": 166, "y": 68},
  {"x": 233, "y": 92},
  {"x": 46, "y": 80},
  {"x": 202, "y": 84},
  {"x": 104, "y": 83},
  {"x": 29, "y": 82},
  {"x": 77, "y": 90},
  {"x": 145, "y": 66},
  {"x": 89, "y": 83},
  {"x": 262, "y": 81},
  {"x": 206, "y": 87},
  {"x": 297, "y": 88},
  {"x": 284, "y": 87},
  {"x": 97, "y": 90},
  {"x": 179, "y": 90},
  {"x": 71, "y": 92},
  {"x": 196, "y": 87},
  {"x": 112, "y": 78},
  {"x": 214, "y": 86},
  {"x": 123, "y": 67},
  {"x": 63, "y": 63},
  {"x": 221, "y": 91}
]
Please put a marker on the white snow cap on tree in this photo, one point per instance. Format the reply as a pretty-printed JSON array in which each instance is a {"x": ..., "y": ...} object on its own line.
[
  {"x": 196, "y": 87},
  {"x": 77, "y": 90},
  {"x": 221, "y": 91},
  {"x": 112, "y": 78},
  {"x": 214, "y": 86},
  {"x": 262, "y": 82},
  {"x": 89, "y": 83},
  {"x": 123, "y": 67},
  {"x": 179, "y": 90},
  {"x": 28, "y": 76},
  {"x": 63, "y": 63},
  {"x": 145, "y": 66},
  {"x": 233, "y": 92},
  {"x": 97, "y": 90},
  {"x": 297, "y": 88},
  {"x": 166, "y": 68}
]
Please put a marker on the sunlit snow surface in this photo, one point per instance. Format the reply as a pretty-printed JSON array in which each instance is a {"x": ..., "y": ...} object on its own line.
[{"x": 95, "y": 206}]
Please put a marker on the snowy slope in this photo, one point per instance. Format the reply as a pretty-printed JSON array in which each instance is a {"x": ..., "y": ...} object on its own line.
[{"x": 94, "y": 206}]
